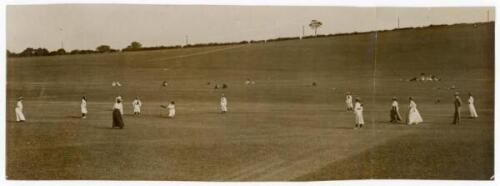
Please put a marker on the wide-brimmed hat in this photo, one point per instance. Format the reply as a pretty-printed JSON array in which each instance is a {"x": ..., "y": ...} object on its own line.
[
  {"x": 457, "y": 93},
  {"x": 394, "y": 98},
  {"x": 20, "y": 98}
]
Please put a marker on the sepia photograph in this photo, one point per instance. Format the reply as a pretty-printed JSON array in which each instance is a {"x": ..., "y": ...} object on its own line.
[{"x": 246, "y": 93}]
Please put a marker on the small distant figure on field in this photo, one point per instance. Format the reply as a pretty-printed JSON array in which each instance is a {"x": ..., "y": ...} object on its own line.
[
  {"x": 314, "y": 84},
  {"x": 224, "y": 86},
  {"x": 458, "y": 106},
  {"x": 164, "y": 84},
  {"x": 171, "y": 109},
  {"x": 435, "y": 78},
  {"x": 216, "y": 86},
  {"x": 248, "y": 82},
  {"x": 117, "y": 114},
  {"x": 348, "y": 101},
  {"x": 422, "y": 77},
  {"x": 208, "y": 83},
  {"x": 116, "y": 84},
  {"x": 472, "y": 108},
  {"x": 358, "y": 114},
  {"x": 395, "y": 116},
  {"x": 19, "y": 110},
  {"x": 137, "y": 104},
  {"x": 437, "y": 101},
  {"x": 83, "y": 107},
  {"x": 413, "y": 114},
  {"x": 223, "y": 104}
]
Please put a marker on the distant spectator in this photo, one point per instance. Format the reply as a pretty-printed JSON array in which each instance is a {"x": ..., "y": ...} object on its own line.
[
  {"x": 223, "y": 104},
  {"x": 19, "y": 110},
  {"x": 472, "y": 108},
  {"x": 422, "y": 77},
  {"x": 348, "y": 101},
  {"x": 171, "y": 109},
  {"x": 137, "y": 104},
  {"x": 83, "y": 107}
]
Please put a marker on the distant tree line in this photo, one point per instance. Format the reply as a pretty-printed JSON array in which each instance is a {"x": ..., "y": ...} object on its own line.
[{"x": 136, "y": 46}]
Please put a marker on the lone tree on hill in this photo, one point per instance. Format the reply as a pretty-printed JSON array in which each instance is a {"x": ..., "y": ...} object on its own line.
[
  {"x": 315, "y": 24},
  {"x": 134, "y": 46}
]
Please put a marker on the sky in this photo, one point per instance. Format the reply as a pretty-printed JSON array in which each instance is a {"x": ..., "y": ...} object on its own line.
[{"x": 86, "y": 26}]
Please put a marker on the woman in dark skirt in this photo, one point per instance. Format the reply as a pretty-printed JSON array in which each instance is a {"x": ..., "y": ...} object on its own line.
[
  {"x": 117, "y": 114},
  {"x": 395, "y": 116}
]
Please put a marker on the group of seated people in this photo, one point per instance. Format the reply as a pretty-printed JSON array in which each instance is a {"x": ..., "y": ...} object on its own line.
[{"x": 424, "y": 77}]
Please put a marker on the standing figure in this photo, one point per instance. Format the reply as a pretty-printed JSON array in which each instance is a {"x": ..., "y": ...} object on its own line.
[
  {"x": 223, "y": 104},
  {"x": 458, "y": 105},
  {"x": 83, "y": 107},
  {"x": 472, "y": 108},
  {"x": 358, "y": 114},
  {"x": 348, "y": 101},
  {"x": 413, "y": 114},
  {"x": 117, "y": 114},
  {"x": 395, "y": 116},
  {"x": 19, "y": 110},
  {"x": 171, "y": 109},
  {"x": 137, "y": 104}
]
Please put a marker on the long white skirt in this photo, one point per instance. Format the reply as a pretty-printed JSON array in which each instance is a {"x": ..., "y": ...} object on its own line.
[
  {"x": 84, "y": 110},
  {"x": 414, "y": 117},
  {"x": 19, "y": 115},
  {"x": 358, "y": 118},
  {"x": 223, "y": 107},
  {"x": 137, "y": 108},
  {"x": 171, "y": 113},
  {"x": 348, "y": 104},
  {"x": 472, "y": 110}
]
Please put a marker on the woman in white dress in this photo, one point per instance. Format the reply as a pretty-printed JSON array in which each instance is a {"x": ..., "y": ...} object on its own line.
[
  {"x": 472, "y": 108},
  {"x": 83, "y": 107},
  {"x": 358, "y": 114},
  {"x": 413, "y": 114},
  {"x": 171, "y": 109},
  {"x": 137, "y": 104},
  {"x": 223, "y": 104},
  {"x": 19, "y": 110},
  {"x": 348, "y": 101}
]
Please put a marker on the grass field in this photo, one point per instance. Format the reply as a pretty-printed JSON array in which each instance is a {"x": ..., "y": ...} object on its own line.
[{"x": 281, "y": 128}]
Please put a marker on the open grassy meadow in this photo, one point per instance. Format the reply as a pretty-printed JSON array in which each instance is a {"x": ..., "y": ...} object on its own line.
[{"x": 279, "y": 129}]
